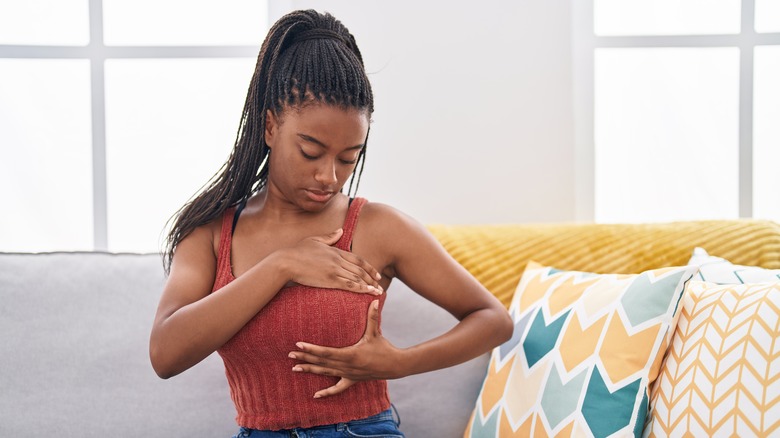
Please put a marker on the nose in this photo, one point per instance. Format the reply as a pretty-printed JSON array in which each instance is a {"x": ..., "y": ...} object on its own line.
[{"x": 326, "y": 173}]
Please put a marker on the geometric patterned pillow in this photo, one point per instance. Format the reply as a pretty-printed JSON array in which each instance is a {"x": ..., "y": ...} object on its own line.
[
  {"x": 721, "y": 376},
  {"x": 717, "y": 270},
  {"x": 585, "y": 348}
]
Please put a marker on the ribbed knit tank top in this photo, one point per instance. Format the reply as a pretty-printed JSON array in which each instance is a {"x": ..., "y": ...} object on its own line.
[{"x": 267, "y": 394}]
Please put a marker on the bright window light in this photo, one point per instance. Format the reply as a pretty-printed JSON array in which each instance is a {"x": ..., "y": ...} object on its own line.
[
  {"x": 170, "y": 124},
  {"x": 44, "y": 22},
  {"x": 184, "y": 22},
  {"x": 666, "y": 134},
  {"x": 666, "y": 17},
  {"x": 767, "y": 15},
  {"x": 766, "y": 138},
  {"x": 46, "y": 165}
]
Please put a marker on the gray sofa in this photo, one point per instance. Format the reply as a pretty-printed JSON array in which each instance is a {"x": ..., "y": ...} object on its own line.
[{"x": 74, "y": 356}]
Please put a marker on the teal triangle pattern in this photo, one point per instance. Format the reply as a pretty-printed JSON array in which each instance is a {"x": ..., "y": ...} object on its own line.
[
  {"x": 517, "y": 334},
  {"x": 641, "y": 416},
  {"x": 560, "y": 400},
  {"x": 486, "y": 430},
  {"x": 542, "y": 338},
  {"x": 608, "y": 412},
  {"x": 645, "y": 300}
]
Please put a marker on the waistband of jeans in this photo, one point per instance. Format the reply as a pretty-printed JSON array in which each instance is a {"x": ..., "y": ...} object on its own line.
[{"x": 382, "y": 416}]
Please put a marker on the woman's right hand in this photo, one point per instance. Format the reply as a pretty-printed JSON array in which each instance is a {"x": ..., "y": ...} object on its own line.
[{"x": 315, "y": 262}]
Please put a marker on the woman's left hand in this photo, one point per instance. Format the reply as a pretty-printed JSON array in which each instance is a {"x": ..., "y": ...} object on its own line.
[{"x": 372, "y": 358}]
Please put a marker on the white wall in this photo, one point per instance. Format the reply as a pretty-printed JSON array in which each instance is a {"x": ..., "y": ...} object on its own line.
[{"x": 474, "y": 119}]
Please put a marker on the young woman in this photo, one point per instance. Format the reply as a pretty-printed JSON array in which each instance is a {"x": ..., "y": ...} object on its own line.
[{"x": 282, "y": 274}]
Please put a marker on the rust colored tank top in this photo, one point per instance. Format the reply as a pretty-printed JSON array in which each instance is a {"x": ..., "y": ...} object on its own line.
[{"x": 266, "y": 392}]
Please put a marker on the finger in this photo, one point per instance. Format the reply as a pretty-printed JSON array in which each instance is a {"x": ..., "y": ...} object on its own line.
[
  {"x": 316, "y": 369},
  {"x": 318, "y": 350},
  {"x": 365, "y": 269},
  {"x": 349, "y": 281},
  {"x": 372, "y": 323},
  {"x": 313, "y": 359},
  {"x": 339, "y": 387},
  {"x": 361, "y": 268},
  {"x": 330, "y": 238}
]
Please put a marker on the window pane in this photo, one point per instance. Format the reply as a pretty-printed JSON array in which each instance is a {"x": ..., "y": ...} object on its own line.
[
  {"x": 766, "y": 139},
  {"x": 170, "y": 124},
  {"x": 666, "y": 17},
  {"x": 185, "y": 22},
  {"x": 767, "y": 15},
  {"x": 666, "y": 134},
  {"x": 46, "y": 155},
  {"x": 44, "y": 22}
]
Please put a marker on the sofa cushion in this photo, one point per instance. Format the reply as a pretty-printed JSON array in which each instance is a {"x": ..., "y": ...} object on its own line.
[
  {"x": 74, "y": 354},
  {"x": 721, "y": 375},
  {"x": 584, "y": 351},
  {"x": 718, "y": 270}
]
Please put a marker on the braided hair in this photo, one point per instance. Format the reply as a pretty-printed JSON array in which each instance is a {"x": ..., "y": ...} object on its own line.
[{"x": 306, "y": 57}]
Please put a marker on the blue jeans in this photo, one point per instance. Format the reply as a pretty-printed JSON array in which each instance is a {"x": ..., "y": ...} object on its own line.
[{"x": 381, "y": 425}]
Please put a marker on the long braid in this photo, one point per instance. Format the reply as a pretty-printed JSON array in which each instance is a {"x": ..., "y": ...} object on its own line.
[{"x": 307, "y": 56}]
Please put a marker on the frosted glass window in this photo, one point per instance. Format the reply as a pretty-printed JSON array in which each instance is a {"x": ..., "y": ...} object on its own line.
[
  {"x": 45, "y": 155},
  {"x": 170, "y": 126},
  {"x": 766, "y": 138},
  {"x": 666, "y": 17},
  {"x": 185, "y": 22},
  {"x": 44, "y": 22},
  {"x": 666, "y": 134},
  {"x": 767, "y": 15}
]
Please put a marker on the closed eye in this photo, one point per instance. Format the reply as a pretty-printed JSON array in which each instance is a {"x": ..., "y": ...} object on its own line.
[{"x": 307, "y": 156}]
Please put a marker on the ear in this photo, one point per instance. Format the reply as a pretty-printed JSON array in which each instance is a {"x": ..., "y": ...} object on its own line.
[{"x": 271, "y": 128}]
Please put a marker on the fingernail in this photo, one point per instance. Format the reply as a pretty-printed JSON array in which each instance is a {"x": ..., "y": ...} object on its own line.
[
  {"x": 378, "y": 276},
  {"x": 291, "y": 356},
  {"x": 317, "y": 396},
  {"x": 297, "y": 368},
  {"x": 299, "y": 345},
  {"x": 376, "y": 305}
]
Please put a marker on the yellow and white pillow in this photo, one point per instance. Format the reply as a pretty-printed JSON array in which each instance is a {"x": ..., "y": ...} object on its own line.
[{"x": 721, "y": 376}]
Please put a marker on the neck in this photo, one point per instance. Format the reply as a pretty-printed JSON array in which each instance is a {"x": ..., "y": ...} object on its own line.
[{"x": 274, "y": 206}]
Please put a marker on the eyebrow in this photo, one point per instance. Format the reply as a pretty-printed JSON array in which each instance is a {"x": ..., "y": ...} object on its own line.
[{"x": 311, "y": 139}]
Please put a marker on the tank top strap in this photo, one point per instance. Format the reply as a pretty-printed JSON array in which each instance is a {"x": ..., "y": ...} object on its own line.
[
  {"x": 224, "y": 269},
  {"x": 355, "y": 206}
]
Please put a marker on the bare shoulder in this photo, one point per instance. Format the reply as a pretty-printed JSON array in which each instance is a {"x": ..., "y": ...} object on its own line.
[
  {"x": 418, "y": 259},
  {"x": 193, "y": 269},
  {"x": 383, "y": 220},
  {"x": 394, "y": 233},
  {"x": 201, "y": 245}
]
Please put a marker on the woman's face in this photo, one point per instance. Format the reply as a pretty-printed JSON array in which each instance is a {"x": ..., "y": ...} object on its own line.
[{"x": 314, "y": 150}]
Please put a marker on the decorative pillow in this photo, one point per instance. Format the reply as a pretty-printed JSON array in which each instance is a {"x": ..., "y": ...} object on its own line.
[
  {"x": 584, "y": 350},
  {"x": 717, "y": 270},
  {"x": 721, "y": 376}
]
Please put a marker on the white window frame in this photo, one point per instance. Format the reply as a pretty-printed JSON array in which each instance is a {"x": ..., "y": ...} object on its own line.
[
  {"x": 96, "y": 52},
  {"x": 585, "y": 43}
]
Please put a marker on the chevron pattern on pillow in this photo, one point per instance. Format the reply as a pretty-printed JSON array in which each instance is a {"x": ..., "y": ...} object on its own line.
[
  {"x": 584, "y": 351},
  {"x": 721, "y": 271},
  {"x": 721, "y": 376}
]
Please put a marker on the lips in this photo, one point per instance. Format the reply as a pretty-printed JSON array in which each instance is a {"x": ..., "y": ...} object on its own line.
[{"x": 319, "y": 195}]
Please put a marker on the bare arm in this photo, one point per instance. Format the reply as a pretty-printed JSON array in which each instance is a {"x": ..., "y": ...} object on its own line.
[
  {"x": 425, "y": 266},
  {"x": 191, "y": 322}
]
